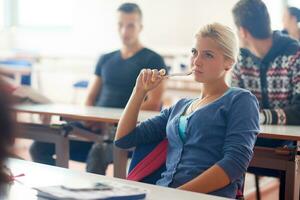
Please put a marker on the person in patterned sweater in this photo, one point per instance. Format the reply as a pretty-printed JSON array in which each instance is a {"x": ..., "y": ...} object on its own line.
[{"x": 268, "y": 65}]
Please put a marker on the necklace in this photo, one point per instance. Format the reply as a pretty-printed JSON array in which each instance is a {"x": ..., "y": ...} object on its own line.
[{"x": 201, "y": 102}]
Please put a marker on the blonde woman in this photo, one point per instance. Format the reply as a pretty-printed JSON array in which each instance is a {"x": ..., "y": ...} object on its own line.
[{"x": 210, "y": 138}]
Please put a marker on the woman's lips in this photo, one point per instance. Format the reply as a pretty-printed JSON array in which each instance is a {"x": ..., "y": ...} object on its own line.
[{"x": 197, "y": 72}]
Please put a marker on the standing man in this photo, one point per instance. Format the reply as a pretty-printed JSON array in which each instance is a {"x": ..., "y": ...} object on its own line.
[{"x": 113, "y": 82}]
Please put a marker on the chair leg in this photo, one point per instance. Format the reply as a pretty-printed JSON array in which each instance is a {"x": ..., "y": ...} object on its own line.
[
  {"x": 257, "y": 187},
  {"x": 282, "y": 185}
]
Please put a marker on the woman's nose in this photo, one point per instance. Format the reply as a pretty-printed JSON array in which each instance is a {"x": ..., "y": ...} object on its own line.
[{"x": 197, "y": 61}]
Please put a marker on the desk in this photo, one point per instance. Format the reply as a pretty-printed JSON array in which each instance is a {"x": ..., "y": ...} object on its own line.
[
  {"x": 60, "y": 137},
  {"x": 286, "y": 160},
  {"x": 38, "y": 175},
  {"x": 83, "y": 113}
]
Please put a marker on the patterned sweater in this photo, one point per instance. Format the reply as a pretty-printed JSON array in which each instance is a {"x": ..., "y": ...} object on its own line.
[{"x": 274, "y": 80}]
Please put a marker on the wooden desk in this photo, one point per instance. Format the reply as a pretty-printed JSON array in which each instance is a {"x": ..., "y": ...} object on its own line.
[
  {"x": 38, "y": 175},
  {"x": 280, "y": 132},
  {"x": 286, "y": 160},
  {"x": 270, "y": 158},
  {"x": 60, "y": 137},
  {"x": 82, "y": 113}
]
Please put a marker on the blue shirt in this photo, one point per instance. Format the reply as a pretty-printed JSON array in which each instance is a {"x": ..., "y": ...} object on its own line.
[
  {"x": 183, "y": 120},
  {"x": 118, "y": 75},
  {"x": 222, "y": 132}
]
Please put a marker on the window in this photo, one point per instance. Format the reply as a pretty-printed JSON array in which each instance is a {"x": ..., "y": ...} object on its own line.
[
  {"x": 294, "y": 3},
  {"x": 40, "y": 14},
  {"x": 275, "y": 9}
]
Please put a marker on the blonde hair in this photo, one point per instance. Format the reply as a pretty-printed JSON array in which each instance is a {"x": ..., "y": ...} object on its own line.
[{"x": 224, "y": 37}]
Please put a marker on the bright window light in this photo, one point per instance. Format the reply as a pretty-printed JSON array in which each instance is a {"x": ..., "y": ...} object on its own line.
[{"x": 44, "y": 13}]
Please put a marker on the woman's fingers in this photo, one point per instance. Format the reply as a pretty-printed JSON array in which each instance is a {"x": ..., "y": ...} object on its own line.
[
  {"x": 148, "y": 75},
  {"x": 149, "y": 79},
  {"x": 162, "y": 72},
  {"x": 144, "y": 76},
  {"x": 155, "y": 75}
]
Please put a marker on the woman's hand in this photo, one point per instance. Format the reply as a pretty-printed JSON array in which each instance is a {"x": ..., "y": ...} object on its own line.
[{"x": 149, "y": 79}]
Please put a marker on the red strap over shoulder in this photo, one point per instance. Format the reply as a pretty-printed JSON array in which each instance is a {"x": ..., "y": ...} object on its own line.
[{"x": 153, "y": 161}]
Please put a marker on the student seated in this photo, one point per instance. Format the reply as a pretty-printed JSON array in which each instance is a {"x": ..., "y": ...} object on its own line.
[
  {"x": 290, "y": 20},
  {"x": 268, "y": 66},
  {"x": 111, "y": 86},
  {"x": 210, "y": 138},
  {"x": 6, "y": 135}
]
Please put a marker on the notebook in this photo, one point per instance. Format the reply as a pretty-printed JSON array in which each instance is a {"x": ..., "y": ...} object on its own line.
[{"x": 105, "y": 191}]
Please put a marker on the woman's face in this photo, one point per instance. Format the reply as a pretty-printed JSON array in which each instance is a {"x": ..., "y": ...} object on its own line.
[{"x": 208, "y": 62}]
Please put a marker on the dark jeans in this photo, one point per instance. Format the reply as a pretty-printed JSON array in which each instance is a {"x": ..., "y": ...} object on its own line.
[
  {"x": 43, "y": 152},
  {"x": 101, "y": 154}
]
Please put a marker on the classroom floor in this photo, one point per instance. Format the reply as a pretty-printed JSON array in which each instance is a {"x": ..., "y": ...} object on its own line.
[{"x": 269, "y": 186}]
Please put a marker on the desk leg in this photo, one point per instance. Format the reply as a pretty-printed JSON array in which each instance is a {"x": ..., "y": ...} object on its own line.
[
  {"x": 292, "y": 180},
  {"x": 51, "y": 135},
  {"x": 120, "y": 162},
  {"x": 62, "y": 152},
  {"x": 267, "y": 158}
]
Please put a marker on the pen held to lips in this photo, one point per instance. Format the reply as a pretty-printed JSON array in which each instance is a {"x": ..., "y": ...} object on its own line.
[
  {"x": 180, "y": 74},
  {"x": 162, "y": 73}
]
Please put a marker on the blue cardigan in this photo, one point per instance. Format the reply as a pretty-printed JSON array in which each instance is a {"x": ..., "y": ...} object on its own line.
[{"x": 222, "y": 132}]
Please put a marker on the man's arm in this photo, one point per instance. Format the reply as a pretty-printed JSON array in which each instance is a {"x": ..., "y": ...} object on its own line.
[
  {"x": 290, "y": 114},
  {"x": 93, "y": 91}
]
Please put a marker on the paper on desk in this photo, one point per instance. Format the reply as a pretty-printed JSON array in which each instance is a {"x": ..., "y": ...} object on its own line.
[{"x": 118, "y": 192}]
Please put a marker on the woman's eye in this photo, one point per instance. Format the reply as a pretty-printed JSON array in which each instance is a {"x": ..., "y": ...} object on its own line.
[
  {"x": 194, "y": 52},
  {"x": 208, "y": 55}
]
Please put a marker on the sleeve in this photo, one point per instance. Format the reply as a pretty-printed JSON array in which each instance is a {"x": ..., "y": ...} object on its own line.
[
  {"x": 149, "y": 131},
  {"x": 156, "y": 62},
  {"x": 289, "y": 115},
  {"x": 99, "y": 65},
  {"x": 241, "y": 133},
  {"x": 236, "y": 76}
]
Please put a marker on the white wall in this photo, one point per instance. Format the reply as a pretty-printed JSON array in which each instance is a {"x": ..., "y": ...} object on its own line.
[
  {"x": 6, "y": 35},
  {"x": 169, "y": 25}
]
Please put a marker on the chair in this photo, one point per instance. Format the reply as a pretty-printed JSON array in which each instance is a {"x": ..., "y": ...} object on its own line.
[
  {"x": 82, "y": 84},
  {"x": 148, "y": 163},
  {"x": 25, "y": 79}
]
